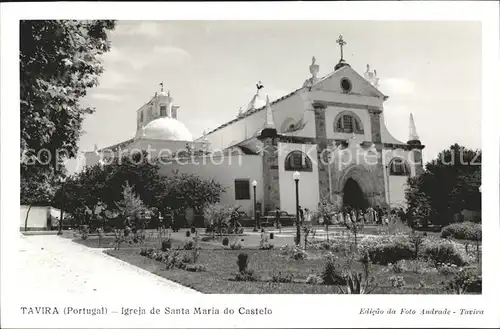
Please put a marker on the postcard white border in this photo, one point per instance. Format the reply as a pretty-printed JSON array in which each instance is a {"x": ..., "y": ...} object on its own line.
[{"x": 288, "y": 310}]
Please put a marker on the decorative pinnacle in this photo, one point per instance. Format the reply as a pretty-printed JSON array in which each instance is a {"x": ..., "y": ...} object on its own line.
[
  {"x": 413, "y": 130},
  {"x": 269, "y": 114}
]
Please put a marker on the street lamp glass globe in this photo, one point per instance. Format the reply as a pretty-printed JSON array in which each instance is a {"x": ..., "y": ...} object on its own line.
[
  {"x": 254, "y": 183},
  {"x": 296, "y": 175}
]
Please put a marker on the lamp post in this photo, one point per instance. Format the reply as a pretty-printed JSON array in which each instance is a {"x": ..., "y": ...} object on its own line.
[
  {"x": 296, "y": 178},
  {"x": 254, "y": 184},
  {"x": 63, "y": 180}
]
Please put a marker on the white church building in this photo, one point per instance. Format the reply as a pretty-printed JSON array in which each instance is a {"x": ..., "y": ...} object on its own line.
[{"x": 331, "y": 130}]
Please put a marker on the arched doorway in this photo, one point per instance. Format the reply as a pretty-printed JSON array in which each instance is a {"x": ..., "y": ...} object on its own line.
[{"x": 353, "y": 195}]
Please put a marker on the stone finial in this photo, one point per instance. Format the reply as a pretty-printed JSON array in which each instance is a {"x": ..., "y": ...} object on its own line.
[
  {"x": 314, "y": 70},
  {"x": 371, "y": 76},
  {"x": 412, "y": 130}
]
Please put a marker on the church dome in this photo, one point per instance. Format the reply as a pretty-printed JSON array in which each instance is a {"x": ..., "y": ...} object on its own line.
[{"x": 166, "y": 129}]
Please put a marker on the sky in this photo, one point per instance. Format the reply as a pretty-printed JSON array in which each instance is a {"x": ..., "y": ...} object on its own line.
[{"x": 430, "y": 69}]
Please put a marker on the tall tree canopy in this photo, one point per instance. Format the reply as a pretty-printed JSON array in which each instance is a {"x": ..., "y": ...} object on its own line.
[
  {"x": 448, "y": 185},
  {"x": 99, "y": 188},
  {"x": 59, "y": 62}
]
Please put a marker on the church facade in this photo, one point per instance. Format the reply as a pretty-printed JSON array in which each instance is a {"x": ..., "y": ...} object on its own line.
[{"x": 331, "y": 131}]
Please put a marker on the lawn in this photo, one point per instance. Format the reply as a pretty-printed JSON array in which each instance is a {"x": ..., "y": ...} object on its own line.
[{"x": 221, "y": 267}]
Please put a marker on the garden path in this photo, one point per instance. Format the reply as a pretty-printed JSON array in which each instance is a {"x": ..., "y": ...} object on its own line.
[{"x": 51, "y": 265}]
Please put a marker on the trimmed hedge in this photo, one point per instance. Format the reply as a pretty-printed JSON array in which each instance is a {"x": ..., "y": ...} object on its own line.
[
  {"x": 444, "y": 252},
  {"x": 463, "y": 231},
  {"x": 387, "y": 249}
]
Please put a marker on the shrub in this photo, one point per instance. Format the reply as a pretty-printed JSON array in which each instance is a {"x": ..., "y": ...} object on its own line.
[
  {"x": 358, "y": 282},
  {"x": 282, "y": 277},
  {"x": 186, "y": 259},
  {"x": 448, "y": 269},
  {"x": 85, "y": 232},
  {"x": 193, "y": 229},
  {"x": 188, "y": 234},
  {"x": 271, "y": 235},
  {"x": 206, "y": 238},
  {"x": 387, "y": 249},
  {"x": 195, "y": 268},
  {"x": 246, "y": 275},
  {"x": 225, "y": 242},
  {"x": 236, "y": 245},
  {"x": 242, "y": 262},
  {"x": 146, "y": 251},
  {"x": 397, "y": 281},
  {"x": 466, "y": 280},
  {"x": 463, "y": 231},
  {"x": 266, "y": 246},
  {"x": 293, "y": 252},
  {"x": 416, "y": 241},
  {"x": 166, "y": 244},
  {"x": 400, "y": 266},
  {"x": 419, "y": 266},
  {"x": 443, "y": 252},
  {"x": 298, "y": 253},
  {"x": 173, "y": 259},
  {"x": 189, "y": 244},
  {"x": 313, "y": 279},
  {"x": 330, "y": 274}
]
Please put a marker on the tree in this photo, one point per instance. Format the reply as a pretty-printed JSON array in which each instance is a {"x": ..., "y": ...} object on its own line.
[
  {"x": 83, "y": 193},
  {"x": 448, "y": 185},
  {"x": 37, "y": 190},
  {"x": 136, "y": 170},
  {"x": 132, "y": 208},
  {"x": 182, "y": 191},
  {"x": 218, "y": 216},
  {"x": 59, "y": 61},
  {"x": 326, "y": 209}
]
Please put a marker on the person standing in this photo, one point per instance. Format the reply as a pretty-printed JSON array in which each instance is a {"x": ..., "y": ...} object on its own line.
[
  {"x": 307, "y": 217},
  {"x": 301, "y": 215},
  {"x": 277, "y": 220}
]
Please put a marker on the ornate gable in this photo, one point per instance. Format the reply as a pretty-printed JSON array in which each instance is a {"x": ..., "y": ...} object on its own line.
[{"x": 347, "y": 80}]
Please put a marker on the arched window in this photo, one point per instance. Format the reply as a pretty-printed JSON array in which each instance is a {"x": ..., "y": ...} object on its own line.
[
  {"x": 297, "y": 161},
  {"x": 399, "y": 167},
  {"x": 348, "y": 122}
]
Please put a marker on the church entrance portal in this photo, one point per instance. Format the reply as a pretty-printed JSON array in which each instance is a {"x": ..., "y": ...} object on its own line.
[{"x": 353, "y": 195}]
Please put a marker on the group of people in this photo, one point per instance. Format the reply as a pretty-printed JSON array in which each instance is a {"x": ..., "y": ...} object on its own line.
[
  {"x": 369, "y": 215},
  {"x": 376, "y": 215}
]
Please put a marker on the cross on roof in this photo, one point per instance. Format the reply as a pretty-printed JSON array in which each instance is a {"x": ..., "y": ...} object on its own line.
[
  {"x": 341, "y": 43},
  {"x": 161, "y": 85}
]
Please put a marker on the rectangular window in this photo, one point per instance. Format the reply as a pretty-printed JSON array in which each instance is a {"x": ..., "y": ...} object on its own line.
[
  {"x": 242, "y": 189},
  {"x": 142, "y": 116},
  {"x": 163, "y": 110}
]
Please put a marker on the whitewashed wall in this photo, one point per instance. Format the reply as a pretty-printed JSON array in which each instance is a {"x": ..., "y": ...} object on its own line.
[
  {"x": 396, "y": 185},
  {"x": 308, "y": 184},
  {"x": 291, "y": 108},
  {"x": 37, "y": 218}
]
